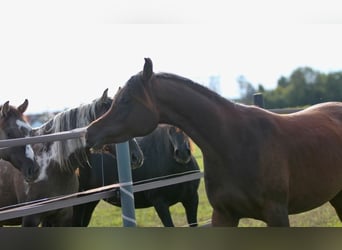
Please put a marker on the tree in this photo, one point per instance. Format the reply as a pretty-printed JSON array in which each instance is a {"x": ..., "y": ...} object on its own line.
[
  {"x": 246, "y": 90},
  {"x": 303, "y": 87}
]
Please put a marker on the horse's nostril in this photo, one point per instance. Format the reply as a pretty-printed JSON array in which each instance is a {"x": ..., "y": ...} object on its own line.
[{"x": 30, "y": 171}]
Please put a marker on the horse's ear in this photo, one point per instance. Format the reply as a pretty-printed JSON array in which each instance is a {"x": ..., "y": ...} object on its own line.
[
  {"x": 22, "y": 108},
  {"x": 148, "y": 70},
  {"x": 104, "y": 95},
  {"x": 4, "y": 109}
]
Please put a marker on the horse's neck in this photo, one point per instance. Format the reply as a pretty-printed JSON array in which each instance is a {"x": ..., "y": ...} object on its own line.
[
  {"x": 194, "y": 109},
  {"x": 43, "y": 129}
]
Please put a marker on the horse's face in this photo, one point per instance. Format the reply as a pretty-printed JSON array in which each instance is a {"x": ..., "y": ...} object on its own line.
[
  {"x": 13, "y": 125},
  {"x": 181, "y": 145},
  {"x": 137, "y": 156},
  {"x": 133, "y": 112}
]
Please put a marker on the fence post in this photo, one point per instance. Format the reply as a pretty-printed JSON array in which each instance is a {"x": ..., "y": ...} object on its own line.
[
  {"x": 126, "y": 192},
  {"x": 258, "y": 100}
]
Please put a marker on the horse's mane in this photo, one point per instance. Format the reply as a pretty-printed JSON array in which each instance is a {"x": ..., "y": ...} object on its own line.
[
  {"x": 60, "y": 151},
  {"x": 198, "y": 87}
]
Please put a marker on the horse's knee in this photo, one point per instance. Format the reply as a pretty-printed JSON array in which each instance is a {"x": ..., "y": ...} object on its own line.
[
  {"x": 226, "y": 219},
  {"x": 191, "y": 206},
  {"x": 164, "y": 214}
]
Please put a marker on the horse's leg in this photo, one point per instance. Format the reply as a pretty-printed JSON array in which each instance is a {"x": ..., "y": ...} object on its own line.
[
  {"x": 190, "y": 206},
  {"x": 226, "y": 219},
  {"x": 87, "y": 213},
  {"x": 78, "y": 213},
  {"x": 31, "y": 221},
  {"x": 63, "y": 218},
  {"x": 163, "y": 212},
  {"x": 276, "y": 215},
  {"x": 47, "y": 223},
  {"x": 82, "y": 214},
  {"x": 336, "y": 202}
]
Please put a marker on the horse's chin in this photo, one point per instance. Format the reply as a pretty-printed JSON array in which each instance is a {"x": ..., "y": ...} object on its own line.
[
  {"x": 96, "y": 147},
  {"x": 108, "y": 140}
]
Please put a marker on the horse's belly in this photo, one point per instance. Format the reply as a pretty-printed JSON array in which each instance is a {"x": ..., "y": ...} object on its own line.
[
  {"x": 308, "y": 202},
  {"x": 309, "y": 195}
]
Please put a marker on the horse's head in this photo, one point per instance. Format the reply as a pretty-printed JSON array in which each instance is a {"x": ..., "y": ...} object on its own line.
[
  {"x": 181, "y": 145},
  {"x": 102, "y": 104},
  {"x": 13, "y": 125},
  {"x": 137, "y": 156},
  {"x": 133, "y": 112}
]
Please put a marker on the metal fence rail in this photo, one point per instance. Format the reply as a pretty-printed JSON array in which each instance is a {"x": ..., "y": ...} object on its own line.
[
  {"x": 60, "y": 136},
  {"x": 48, "y": 204}
]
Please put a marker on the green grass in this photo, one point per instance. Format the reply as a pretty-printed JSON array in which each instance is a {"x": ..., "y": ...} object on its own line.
[{"x": 106, "y": 215}]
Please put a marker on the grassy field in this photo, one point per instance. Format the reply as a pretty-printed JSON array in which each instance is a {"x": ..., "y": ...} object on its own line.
[{"x": 106, "y": 215}]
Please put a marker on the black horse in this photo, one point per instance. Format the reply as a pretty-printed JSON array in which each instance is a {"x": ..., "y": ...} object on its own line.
[{"x": 166, "y": 152}]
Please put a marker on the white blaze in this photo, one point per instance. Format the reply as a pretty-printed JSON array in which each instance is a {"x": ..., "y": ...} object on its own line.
[
  {"x": 29, "y": 152},
  {"x": 22, "y": 124},
  {"x": 28, "y": 149}
]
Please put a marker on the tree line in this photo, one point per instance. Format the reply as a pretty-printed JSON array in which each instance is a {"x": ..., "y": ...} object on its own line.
[{"x": 304, "y": 87}]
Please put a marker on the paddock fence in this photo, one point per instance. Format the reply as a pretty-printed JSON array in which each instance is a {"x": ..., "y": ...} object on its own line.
[{"x": 48, "y": 204}]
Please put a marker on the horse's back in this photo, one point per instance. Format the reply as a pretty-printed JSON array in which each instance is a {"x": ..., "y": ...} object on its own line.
[
  {"x": 334, "y": 109},
  {"x": 328, "y": 109}
]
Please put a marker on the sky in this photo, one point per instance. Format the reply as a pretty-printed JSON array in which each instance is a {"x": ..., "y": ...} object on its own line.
[{"x": 60, "y": 54}]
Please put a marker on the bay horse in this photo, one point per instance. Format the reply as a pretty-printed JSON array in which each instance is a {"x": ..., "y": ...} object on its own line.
[
  {"x": 14, "y": 125},
  {"x": 58, "y": 162},
  {"x": 166, "y": 152},
  {"x": 257, "y": 164}
]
